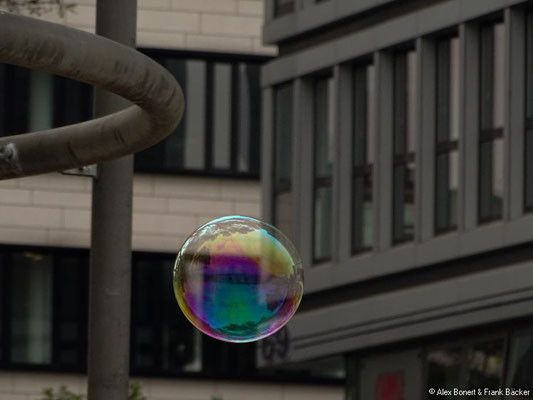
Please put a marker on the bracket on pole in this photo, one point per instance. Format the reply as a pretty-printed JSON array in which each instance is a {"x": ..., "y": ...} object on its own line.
[{"x": 89, "y": 171}]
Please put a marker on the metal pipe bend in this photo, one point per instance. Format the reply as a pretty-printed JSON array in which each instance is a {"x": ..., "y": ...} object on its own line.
[{"x": 78, "y": 55}]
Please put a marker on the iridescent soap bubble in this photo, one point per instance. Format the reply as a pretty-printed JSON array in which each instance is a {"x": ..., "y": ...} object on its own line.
[{"x": 238, "y": 279}]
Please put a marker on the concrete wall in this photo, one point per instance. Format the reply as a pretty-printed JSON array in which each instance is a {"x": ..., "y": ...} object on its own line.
[{"x": 29, "y": 386}]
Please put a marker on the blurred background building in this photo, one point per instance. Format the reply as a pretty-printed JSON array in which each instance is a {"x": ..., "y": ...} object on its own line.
[
  {"x": 209, "y": 167},
  {"x": 398, "y": 154}
]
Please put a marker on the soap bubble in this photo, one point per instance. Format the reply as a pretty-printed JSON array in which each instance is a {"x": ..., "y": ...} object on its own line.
[{"x": 238, "y": 279}]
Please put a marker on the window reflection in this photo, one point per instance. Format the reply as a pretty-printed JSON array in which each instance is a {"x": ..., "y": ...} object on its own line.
[
  {"x": 447, "y": 128},
  {"x": 363, "y": 157},
  {"x": 404, "y": 146},
  {"x": 485, "y": 366},
  {"x": 529, "y": 116},
  {"x": 283, "y": 158},
  {"x": 31, "y": 308},
  {"x": 323, "y": 164},
  {"x": 444, "y": 368},
  {"x": 492, "y": 100}
]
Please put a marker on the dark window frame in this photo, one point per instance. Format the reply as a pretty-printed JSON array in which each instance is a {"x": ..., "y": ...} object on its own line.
[
  {"x": 16, "y": 79},
  {"x": 319, "y": 182},
  {"x": 364, "y": 170},
  {"x": 443, "y": 147},
  {"x": 489, "y": 134},
  {"x": 216, "y": 355},
  {"x": 57, "y": 255},
  {"x": 401, "y": 159}
]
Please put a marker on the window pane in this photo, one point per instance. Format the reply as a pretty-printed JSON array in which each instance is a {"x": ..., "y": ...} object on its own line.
[
  {"x": 3, "y": 302},
  {"x": 485, "y": 366},
  {"x": 447, "y": 186},
  {"x": 31, "y": 308},
  {"x": 162, "y": 339},
  {"x": 70, "y": 310},
  {"x": 194, "y": 122},
  {"x": 529, "y": 168},
  {"x": 520, "y": 363},
  {"x": 283, "y": 158},
  {"x": 455, "y": 67},
  {"x": 404, "y": 185},
  {"x": 491, "y": 179},
  {"x": 498, "y": 78},
  {"x": 41, "y": 105},
  {"x": 222, "y": 117},
  {"x": 404, "y": 145},
  {"x": 528, "y": 155},
  {"x": 282, "y": 7},
  {"x": 322, "y": 224},
  {"x": 16, "y": 104},
  {"x": 443, "y": 369},
  {"x": 529, "y": 66},
  {"x": 283, "y": 215},
  {"x": 283, "y": 135},
  {"x": 448, "y": 90},
  {"x": 363, "y": 218},
  {"x": 74, "y": 101},
  {"x": 324, "y": 128},
  {"x": 492, "y": 76},
  {"x": 323, "y": 160},
  {"x": 363, "y": 149}
]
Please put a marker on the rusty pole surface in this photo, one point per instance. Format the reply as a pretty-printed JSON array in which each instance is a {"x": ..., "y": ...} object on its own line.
[{"x": 75, "y": 54}]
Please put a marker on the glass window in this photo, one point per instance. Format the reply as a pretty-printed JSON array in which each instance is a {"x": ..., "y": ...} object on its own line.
[
  {"x": 520, "y": 363},
  {"x": 163, "y": 340},
  {"x": 282, "y": 205},
  {"x": 444, "y": 368},
  {"x": 447, "y": 128},
  {"x": 4, "y": 301},
  {"x": 31, "y": 308},
  {"x": 404, "y": 146},
  {"x": 16, "y": 94},
  {"x": 220, "y": 130},
  {"x": 529, "y": 116},
  {"x": 363, "y": 158},
  {"x": 485, "y": 366},
  {"x": 323, "y": 163},
  {"x": 70, "y": 310},
  {"x": 491, "y": 122},
  {"x": 282, "y": 7}
]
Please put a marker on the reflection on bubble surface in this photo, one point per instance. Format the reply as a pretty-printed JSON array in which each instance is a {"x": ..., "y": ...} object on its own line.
[{"x": 238, "y": 279}]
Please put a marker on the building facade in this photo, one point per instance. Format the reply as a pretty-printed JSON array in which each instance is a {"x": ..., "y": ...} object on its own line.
[
  {"x": 209, "y": 167},
  {"x": 397, "y": 155}
]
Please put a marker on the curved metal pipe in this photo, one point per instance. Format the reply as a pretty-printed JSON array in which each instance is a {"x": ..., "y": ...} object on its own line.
[{"x": 92, "y": 59}]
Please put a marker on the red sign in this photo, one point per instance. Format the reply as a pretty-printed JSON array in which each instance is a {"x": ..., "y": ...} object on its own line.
[{"x": 390, "y": 386}]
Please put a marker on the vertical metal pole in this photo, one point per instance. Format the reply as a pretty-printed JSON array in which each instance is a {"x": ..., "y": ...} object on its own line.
[{"x": 110, "y": 265}]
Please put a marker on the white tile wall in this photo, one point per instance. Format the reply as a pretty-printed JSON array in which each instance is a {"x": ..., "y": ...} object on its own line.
[
  {"x": 29, "y": 386},
  {"x": 54, "y": 209},
  {"x": 204, "y": 25}
]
